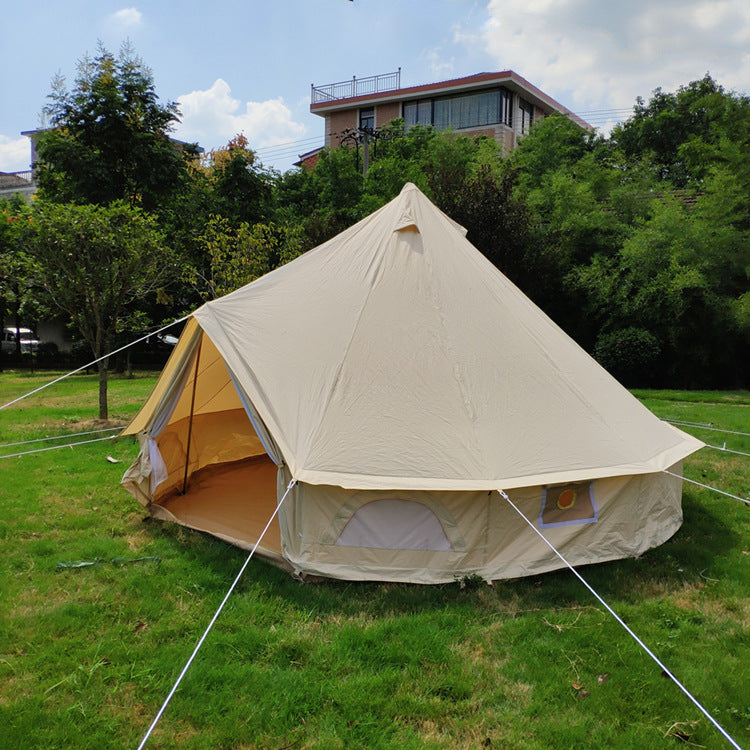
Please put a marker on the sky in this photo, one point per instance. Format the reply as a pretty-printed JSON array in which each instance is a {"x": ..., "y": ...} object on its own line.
[{"x": 247, "y": 66}]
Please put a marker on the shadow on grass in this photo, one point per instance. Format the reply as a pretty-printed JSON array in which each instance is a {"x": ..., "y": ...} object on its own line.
[{"x": 703, "y": 537}]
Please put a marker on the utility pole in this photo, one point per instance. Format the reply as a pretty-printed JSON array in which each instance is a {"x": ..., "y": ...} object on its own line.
[
  {"x": 364, "y": 136},
  {"x": 365, "y": 151}
]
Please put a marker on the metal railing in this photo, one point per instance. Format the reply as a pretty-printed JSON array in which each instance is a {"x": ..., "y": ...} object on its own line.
[
  {"x": 16, "y": 179},
  {"x": 356, "y": 87}
]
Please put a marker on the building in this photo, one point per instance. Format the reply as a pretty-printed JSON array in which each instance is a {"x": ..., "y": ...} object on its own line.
[
  {"x": 500, "y": 105},
  {"x": 22, "y": 183},
  {"x": 17, "y": 182}
]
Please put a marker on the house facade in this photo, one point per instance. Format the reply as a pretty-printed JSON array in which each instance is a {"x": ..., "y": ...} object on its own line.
[{"x": 502, "y": 106}]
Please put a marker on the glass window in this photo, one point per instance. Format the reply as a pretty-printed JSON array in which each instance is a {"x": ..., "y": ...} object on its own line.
[
  {"x": 464, "y": 111},
  {"x": 367, "y": 117},
  {"x": 410, "y": 114},
  {"x": 442, "y": 114},
  {"x": 424, "y": 112},
  {"x": 506, "y": 111},
  {"x": 526, "y": 115}
]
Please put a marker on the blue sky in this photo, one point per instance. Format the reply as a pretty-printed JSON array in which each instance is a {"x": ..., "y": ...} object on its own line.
[{"x": 248, "y": 66}]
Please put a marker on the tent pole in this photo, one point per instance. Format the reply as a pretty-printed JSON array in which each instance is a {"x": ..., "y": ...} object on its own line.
[{"x": 190, "y": 423}]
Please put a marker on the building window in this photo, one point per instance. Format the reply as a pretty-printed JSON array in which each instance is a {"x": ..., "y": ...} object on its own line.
[
  {"x": 506, "y": 109},
  {"x": 418, "y": 113},
  {"x": 367, "y": 118},
  {"x": 463, "y": 111},
  {"x": 526, "y": 116}
]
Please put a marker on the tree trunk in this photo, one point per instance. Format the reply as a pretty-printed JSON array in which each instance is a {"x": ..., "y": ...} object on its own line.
[{"x": 103, "y": 410}]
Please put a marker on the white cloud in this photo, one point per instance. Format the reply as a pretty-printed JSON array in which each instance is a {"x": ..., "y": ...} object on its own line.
[
  {"x": 127, "y": 18},
  {"x": 15, "y": 154},
  {"x": 441, "y": 68},
  {"x": 593, "y": 55},
  {"x": 212, "y": 117}
]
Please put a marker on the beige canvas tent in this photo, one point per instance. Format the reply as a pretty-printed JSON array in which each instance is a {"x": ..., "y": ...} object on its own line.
[{"x": 402, "y": 381}]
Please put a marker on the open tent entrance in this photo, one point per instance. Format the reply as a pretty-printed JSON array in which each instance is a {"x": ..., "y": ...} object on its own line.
[{"x": 209, "y": 469}]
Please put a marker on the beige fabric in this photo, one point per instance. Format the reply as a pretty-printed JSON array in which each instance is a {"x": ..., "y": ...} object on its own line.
[
  {"x": 487, "y": 536},
  {"x": 403, "y": 358},
  {"x": 169, "y": 380},
  {"x": 233, "y": 501},
  {"x": 395, "y": 363}
]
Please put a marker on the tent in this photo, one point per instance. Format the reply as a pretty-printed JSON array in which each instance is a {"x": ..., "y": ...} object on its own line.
[{"x": 401, "y": 381}]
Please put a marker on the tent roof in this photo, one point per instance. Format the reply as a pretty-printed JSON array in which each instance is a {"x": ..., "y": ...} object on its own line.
[{"x": 396, "y": 356}]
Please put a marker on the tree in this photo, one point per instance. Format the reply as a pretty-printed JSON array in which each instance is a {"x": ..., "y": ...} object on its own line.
[
  {"x": 14, "y": 290},
  {"x": 238, "y": 256},
  {"x": 324, "y": 200},
  {"x": 109, "y": 137},
  {"x": 93, "y": 263},
  {"x": 675, "y": 292},
  {"x": 678, "y": 133},
  {"x": 241, "y": 189},
  {"x": 556, "y": 143}
]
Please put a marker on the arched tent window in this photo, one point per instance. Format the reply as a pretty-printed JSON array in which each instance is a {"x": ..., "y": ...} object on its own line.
[{"x": 394, "y": 524}]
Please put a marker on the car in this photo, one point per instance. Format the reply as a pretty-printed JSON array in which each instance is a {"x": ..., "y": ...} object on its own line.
[{"x": 29, "y": 342}]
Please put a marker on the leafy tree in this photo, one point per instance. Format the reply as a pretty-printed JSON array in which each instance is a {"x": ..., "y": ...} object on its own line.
[
  {"x": 226, "y": 183},
  {"x": 94, "y": 263},
  {"x": 325, "y": 200},
  {"x": 109, "y": 137},
  {"x": 239, "y": 256},
  {"x": 673, "y": 290},
  {"x": 239, "y": 188},
  {"x": 552, "y": 145},
  {"x": 679, "y": 133},
  {"x": 15, "y": 298}
]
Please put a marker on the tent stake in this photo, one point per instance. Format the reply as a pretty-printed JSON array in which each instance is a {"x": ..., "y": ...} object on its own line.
[{"x": 190, "y": 423}]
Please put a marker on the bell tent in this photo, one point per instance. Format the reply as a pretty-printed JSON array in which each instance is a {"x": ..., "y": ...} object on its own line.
[{"x": 401, "y": 381}]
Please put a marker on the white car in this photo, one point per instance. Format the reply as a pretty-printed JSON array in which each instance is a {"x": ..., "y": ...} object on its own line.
[{"x": 29, "y": 343}]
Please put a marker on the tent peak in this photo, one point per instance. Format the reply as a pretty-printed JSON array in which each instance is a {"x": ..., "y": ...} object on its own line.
[{"x": 407, "y": 219}]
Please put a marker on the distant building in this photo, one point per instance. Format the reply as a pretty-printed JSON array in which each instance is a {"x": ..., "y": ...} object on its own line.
[
  {"x": 502, "y": 106},
  {"x": 20, "y": 182},
  {"x": 17, "y": 182}
]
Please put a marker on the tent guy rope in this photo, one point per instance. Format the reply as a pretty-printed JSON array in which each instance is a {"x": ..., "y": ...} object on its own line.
[
  {"x": 724, "y": 449},
  {"x": 94, "y": 362},
  {"x": 213, "y": 619},
  {"x": 707, "y": 427},
  {"x": 708, "y": 487},
  {"x": 59, "y": 437},
  {"x": 609, "y": 609},
  {"x": 56, "y": 447}
]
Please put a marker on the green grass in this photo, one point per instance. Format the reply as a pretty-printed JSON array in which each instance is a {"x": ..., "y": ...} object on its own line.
[{"x": 87, "y": 655}]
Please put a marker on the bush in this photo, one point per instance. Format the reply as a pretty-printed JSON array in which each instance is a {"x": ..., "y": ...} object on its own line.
[
  {"x": 630, "y": 355},
  {"x": 47, "y": 355}
]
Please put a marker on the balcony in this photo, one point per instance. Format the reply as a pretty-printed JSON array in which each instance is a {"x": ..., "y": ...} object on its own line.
[{"x": 356, "y": 87}]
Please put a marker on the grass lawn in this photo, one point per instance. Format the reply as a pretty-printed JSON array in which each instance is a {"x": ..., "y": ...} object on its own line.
[{"x": 88, "y": 654}]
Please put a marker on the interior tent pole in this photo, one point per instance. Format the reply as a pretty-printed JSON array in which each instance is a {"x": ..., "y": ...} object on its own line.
[
  {"x": 614, "y": 614},
  {"x": 192, "y": 409}
]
